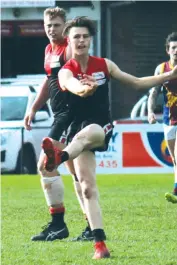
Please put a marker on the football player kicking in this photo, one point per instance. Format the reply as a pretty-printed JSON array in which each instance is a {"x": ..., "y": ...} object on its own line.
[{"x": 91, "y": 127}]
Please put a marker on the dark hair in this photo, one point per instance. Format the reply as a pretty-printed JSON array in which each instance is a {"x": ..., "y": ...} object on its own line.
[
  {"x": 170, "y": 37},
  {"x": 80, "y": 22},
  {"x": 54, "y": 12}
]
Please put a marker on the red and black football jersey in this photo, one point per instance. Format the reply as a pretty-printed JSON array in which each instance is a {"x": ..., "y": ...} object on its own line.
[
  {"x": 97, "y": 105},
  {"x": 54, "y": 60}
]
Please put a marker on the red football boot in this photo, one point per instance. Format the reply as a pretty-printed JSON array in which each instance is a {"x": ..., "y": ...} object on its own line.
[
  {"x": 53, "y": 155},
  {"x": 101, "y": 251}
]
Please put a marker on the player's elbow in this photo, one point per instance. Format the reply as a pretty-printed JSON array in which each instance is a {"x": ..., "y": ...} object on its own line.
[
  {"x": 62, "y": 84},
  {"x": 63, "y": 88},
  {"x": 85, "y": 94},
  {"x": 81, "y": 94}
]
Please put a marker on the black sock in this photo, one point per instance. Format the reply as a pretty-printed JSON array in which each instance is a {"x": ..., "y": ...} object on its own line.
[
  {"x": 99, "y": 235},
  {"x": 64, "y": 156},
  {"x": 58, "y": 219},
  {"x": 175, "y": 189}
]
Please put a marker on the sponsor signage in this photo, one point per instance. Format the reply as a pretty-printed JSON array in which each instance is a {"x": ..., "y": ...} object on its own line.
[
  {"x": 6, "y": 29},
  {"x": 26, "y": 3},
  {"x": 31, "y": 28},
  {"x": 22, "y": 28}
]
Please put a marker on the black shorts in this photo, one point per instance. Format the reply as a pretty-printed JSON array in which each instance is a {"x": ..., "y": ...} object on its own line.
[
  {"x": 76, "y": 127},
  {"x": 59, "y": 128}
]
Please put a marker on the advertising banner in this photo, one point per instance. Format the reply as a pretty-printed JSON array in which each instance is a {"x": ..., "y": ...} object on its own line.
[
  {"x": 26, "y": 3},
  {"x": 33, "y": 28},
  {"x": 6, "y": 29}
]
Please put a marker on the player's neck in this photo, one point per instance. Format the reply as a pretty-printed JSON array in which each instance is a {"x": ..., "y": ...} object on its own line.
[
  {"x": 173, "y": 62},
  {"x": 83, "y": 61},
  {"x": 55, "y": 44}
]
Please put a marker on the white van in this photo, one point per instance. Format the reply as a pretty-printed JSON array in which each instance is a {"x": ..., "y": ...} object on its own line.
[{"x": 20, "y": 149}]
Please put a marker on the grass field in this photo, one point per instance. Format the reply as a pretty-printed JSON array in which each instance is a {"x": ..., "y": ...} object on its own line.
[{"x": 141, "y": 226}]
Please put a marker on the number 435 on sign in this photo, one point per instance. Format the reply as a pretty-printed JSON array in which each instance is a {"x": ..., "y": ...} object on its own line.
[{"x": 108, "y": 163}]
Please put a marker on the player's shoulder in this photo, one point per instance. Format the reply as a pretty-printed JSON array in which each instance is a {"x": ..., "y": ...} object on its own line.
[
  {"x": 71, "y": 62},
  {"x": 72, "y": 65},
  {"x": 97, "y": 59},
  {"x": 97, "y": 62},
  {"x": 160, "y": 68},
  {"x": 161, "y": 64}
]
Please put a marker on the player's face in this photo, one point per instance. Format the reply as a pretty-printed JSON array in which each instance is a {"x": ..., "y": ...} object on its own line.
[
  {"x": 54, "y": 28},
  {"x": 172, "y": 51},
  {"x": 79, "y": 39}
]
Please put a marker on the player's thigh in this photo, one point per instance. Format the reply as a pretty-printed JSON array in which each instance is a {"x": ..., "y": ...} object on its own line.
[
  {"x": 85, "y": 167},
  {"x": 171, "y": 147},
  {"x": 170, "y": 137},
  {"x": 93, "y": 135}
]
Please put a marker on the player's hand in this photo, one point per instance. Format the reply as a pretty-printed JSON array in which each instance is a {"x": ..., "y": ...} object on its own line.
[
  {"x": 91, "y": 84},
  {"x": 152, "y": 118},
  {"x": 89, "y": 80},
  {"x": 28, "y": 119},
  {"x": 87, "y": 91}
]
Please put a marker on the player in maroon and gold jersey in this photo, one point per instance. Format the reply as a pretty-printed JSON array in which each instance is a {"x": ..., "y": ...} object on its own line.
[{"x": 169, "y": 90}]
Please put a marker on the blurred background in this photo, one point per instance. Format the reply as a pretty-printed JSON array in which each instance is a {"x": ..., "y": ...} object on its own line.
[{"x": 131, "y": 33}]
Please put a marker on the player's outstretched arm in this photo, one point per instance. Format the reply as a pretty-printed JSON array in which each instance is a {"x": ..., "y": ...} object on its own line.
[
  {"x": 69, "y": 82},
  {"x": 139, "y": 83}
]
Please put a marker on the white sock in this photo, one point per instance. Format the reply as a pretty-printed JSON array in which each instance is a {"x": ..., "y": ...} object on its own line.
[
  {"x": 53, "y": 190},
  {"x": 176, "y": 176}
]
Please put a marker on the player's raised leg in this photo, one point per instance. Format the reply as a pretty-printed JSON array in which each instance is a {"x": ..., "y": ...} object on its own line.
[{"x": 90, "y": 137}]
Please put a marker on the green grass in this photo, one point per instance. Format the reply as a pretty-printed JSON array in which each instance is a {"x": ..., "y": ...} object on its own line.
[{"x": 140, "y": 225}]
